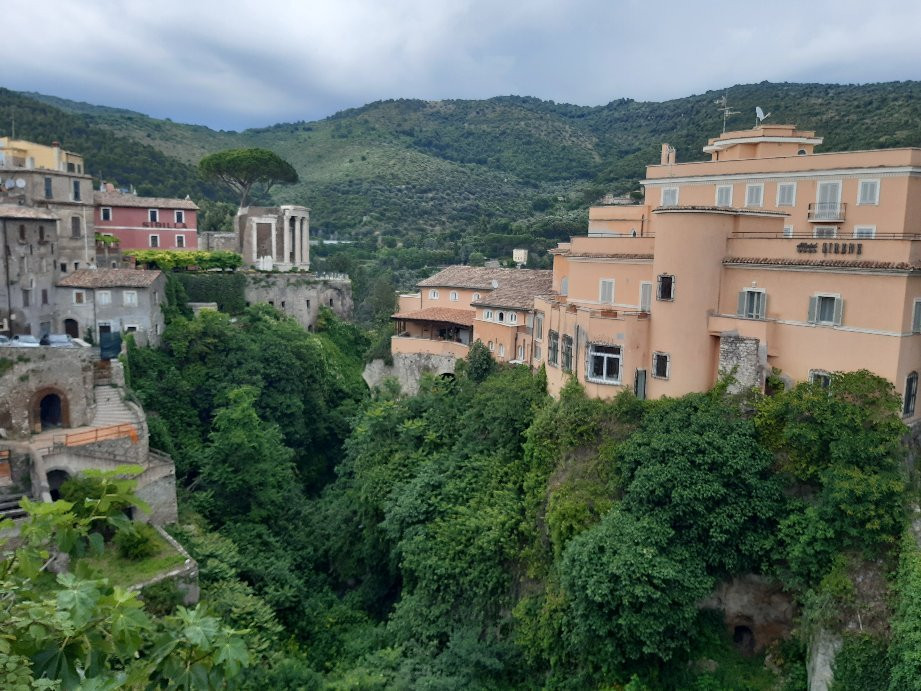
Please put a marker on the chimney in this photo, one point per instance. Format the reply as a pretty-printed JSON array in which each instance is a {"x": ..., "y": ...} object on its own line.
[
  {"x": 56, "y": 145},
  {"x": 669, "y": 155}
]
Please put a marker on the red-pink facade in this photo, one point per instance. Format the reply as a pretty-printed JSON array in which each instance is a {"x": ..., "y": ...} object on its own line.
[{"x": 147, "y": 222}]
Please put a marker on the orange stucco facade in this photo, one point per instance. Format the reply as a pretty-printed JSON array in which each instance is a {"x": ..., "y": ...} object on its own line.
[{"x": 769, "y": 257}]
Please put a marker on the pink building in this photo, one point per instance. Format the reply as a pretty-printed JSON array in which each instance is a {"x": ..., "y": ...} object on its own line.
[{"x": 147, "y": 222}]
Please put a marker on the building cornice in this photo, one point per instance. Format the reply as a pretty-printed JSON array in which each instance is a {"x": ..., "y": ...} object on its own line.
[{"x": 843, "y": 173}]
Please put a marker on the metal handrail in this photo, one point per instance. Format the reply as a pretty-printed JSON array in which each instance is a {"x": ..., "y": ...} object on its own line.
[{"x": 826, "y": 211}]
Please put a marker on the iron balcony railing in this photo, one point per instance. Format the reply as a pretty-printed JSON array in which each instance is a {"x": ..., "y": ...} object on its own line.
[{"x": 827, "y": 211}]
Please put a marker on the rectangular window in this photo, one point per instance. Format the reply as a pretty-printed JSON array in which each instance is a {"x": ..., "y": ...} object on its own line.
[
  {"x": 538, "y": 326},
  {"x": 433, "y": 294},
  {"x": 724, "y": 195},
  {"x": 153, "y": 215},
  {"x": 63, "y": 267},
  {"x": 154, "y": 240},
  {"x": 752, "y": 304},
  {"x": 826, "y": 309},
  {"x": 788, "y": 231},
  {"x": 48, "y": 192},
  {"x": 786, "y": 194},
  {"x": 916, "y": 317},
  {"x": 604, "y": 363},
  {"x": 666, "y": 289},
  {"x": 828, "y": 201},
  {"x": 911, "y": 393},
  {"x": 76, "y": 190},
  {"x": 645, "y": 296},
  {"x": 606, "y": 291},
  {"x": 669, "y": 196},
  {"x": 180, "y": 241},
  {"x": 754, "y": 195},
  {"x": 566, "y": 358},
  {"x": 865, "y": 232},
  {"x": 537, "y": 351},
  {"x": 129, "y": 298},
  {"x": 44, "y": 296},
  {"x": 564, "y": 286},
  {"x": 104, "y": 297},
  {"x": 824, "y": 232},
  {"x": 553, "y": 348},
  {"x": 660, "y": 365},
  {"x": 180, "y": 216},
  {"x": 453, "y": 296},
  {"x": 26, "y": 297},
  {"x": 76, "y": 227},
  {"x": 487, "y": 315},
  {"x": 868, "y": 192},
  {"x": 105, "y": 213},
  {"x": 79, "y": 297},
  {"x": 820, "y": 377}
]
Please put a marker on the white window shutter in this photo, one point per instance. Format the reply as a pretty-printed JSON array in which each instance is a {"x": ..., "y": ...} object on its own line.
[
  {"x": 839, "y": 311},
  {"x": 743, "y": 294},
  {"x": 813, "y": 309},
  {"x": 762, "y": 308}
]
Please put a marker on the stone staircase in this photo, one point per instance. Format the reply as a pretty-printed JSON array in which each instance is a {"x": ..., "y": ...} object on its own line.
[
  {"x": 9, "y": 506},
  {"x": 111, "y": 409}
]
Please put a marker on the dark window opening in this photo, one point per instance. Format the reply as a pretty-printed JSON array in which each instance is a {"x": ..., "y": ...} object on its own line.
[{"x": 666, "y": 287}]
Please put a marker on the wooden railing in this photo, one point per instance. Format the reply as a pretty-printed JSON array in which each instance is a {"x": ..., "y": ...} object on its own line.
[{"x": 97, "y": 434}]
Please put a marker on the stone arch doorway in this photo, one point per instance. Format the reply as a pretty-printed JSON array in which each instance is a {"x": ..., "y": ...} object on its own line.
[
  {"x": 72, "y": 328},
  {"x": 56, "y": 478},
  {"x": 49, "y": 410}
]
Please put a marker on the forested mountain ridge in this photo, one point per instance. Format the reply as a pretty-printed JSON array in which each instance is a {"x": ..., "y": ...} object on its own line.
[{"x": 409, "y": 167}]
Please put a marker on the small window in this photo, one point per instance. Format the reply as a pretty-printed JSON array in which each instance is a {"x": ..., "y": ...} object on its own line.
[
  {"x": 752, "y": 304},
  {"x": 76, "y": 190},
  {"x": 788, "y": 231},
  {"x": 153, "y": 215},
  {"x": 825, "y": 232},
  {"x": 104, "y": 297},
  {"x": 79, "y": 297},
  {"x": 645, "y": 296},
  {"x": 669, "y": 196},
  {"x": 26, "y": 297},
  {"x": 22, "y": 232},
  {"x": 131, "y": 328},
  {"x": 487, "y": 315},
  {"x": 492, "y": 346},
  {"x": 553, "y": 347},
  {"x": 566, "y": 358},
  {"x": 666, "y": 288},
  {"x": 501, "y": 317},
  {"x": 754, "y": 195},
  {"x": 661, "y": 365},
  {"x": 538, "y": 326},
  {"x": 724, "y": 195},
  {"x": 865, "y": 232},
  {"x": 41, "y": 234},
  {"x": 606, "y": 291},
  {"x": 105, "y": 213},
  {"x": 868, "y": 192},
  {"x": 521, "y": 352},
  {"x": 476, "y": 296},
  {"x": 180, "y": 241},
  {"x": 76, "y": 227},
  {"x": 564, "y": 286},
  {"x": 911, "y": 393},
  {"x": 786, "y": 194},
  {"x": 44, "y": 296},
  {"x": 180, "y": 216},
  {"x": 63, "y": 267},
  {"x": 820, "y": 377},
  {"x": 48, "y": 192},
  {"x": 453, "y": 296},
  {"x": 129, "y": 298},
  {"x": 154, "y": 240},
  {"x": 537, "y": 352},
  {"x": 826, "y": 309},
  {"x": 604, "y": 363},
  {"x": 501, "y": 350},
  {"x": 916, "y": 317},
  {"x": 513, "y": 317},
  {"x": 433, "y": 294}
]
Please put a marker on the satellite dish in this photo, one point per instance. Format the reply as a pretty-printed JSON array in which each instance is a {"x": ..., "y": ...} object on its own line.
[
  {"x": 760, "y": 116},
  {"x": 20, "y": 183}
]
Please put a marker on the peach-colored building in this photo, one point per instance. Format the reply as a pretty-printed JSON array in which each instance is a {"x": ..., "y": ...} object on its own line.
[
  {"x": 461, "y": 304},
  {"x": 767, "y": 257}
]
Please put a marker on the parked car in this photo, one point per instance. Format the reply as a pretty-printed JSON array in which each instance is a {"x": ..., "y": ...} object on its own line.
[
  {"x": 4, "y": 340},
  {"x": 60, "y": 341},
  {"x": 25, "y": 341}
]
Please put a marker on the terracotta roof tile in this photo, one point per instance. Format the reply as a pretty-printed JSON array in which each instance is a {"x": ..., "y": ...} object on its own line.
[
  {"x": 476, "y": 277},
  {"x": 519, "y": 293},
  {"x": 119, "y": 199},
  {"x": 109, "y": 278},
  {"x": 439, "y": 314},
  {"x": 26, "y": 213}
]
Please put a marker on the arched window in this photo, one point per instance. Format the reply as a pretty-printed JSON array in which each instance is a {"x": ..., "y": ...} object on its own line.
[{"x": 501, "y": 317}]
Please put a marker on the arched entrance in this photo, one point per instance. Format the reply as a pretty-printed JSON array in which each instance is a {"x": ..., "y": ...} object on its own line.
[
  {"x": 56, "y": 478},
  {"x": 72, "y": 328},
  {"x": 49, "y": 410}
]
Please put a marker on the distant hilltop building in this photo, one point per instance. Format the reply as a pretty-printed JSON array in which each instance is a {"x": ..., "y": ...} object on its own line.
[{"x": 767, "y": 257}]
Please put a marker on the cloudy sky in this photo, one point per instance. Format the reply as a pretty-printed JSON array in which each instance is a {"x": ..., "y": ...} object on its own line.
[{"x": 230, "y": 64}]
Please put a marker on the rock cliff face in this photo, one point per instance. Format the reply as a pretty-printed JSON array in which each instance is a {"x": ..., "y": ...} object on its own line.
[
  {"x": 408, "y": 370},
  {"x": 757, "y": 612}
]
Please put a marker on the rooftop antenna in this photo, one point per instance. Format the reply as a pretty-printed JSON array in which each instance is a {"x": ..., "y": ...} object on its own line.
[
  {"x": 760, "y": 116},
  {"x": 724, "y": 108}
]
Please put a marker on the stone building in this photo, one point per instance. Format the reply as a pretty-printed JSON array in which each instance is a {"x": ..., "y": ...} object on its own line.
[
  {"x": 274, "y": 238},
  {"x": 113, "y": 301},
  {"x": 27, "y": 270}
]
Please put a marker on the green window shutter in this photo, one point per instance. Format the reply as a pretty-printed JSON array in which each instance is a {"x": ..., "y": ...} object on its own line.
[
  {"x": 742, "y": 296},
  {"x": 839, "y": 311},
  {"x": 813, "y": 309}
]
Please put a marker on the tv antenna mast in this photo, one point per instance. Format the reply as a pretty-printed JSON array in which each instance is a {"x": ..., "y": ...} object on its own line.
[
  {"x": 724, "y": 108},
  {"x": 760, "y": 116}
]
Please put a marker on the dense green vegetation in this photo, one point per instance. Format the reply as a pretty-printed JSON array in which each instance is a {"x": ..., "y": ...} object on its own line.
[{"x": 483, "y": 535}]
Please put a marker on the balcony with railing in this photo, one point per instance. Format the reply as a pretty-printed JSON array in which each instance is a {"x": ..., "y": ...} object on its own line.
[{"x": 827, "y": 212}]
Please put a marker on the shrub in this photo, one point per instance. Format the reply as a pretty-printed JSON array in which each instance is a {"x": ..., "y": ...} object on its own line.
[
  {"x": 136, "y": 541},
  {"x": 162, "y": 598}
]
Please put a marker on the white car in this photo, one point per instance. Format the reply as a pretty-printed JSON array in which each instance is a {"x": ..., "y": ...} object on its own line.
[{"x": 24, "y": 341}]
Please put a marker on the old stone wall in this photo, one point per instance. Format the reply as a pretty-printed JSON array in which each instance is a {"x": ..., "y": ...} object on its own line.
[
  {"x": 408, "y": 369},
  {"x": 300, "y": 295},
  {"x": 214, "y": 241},
  {"x": 185, "y": 576},
  {"x": 745, "y": 359},
  {"x": 31, "y": 373},
  {"x": 756, "y": 610}
]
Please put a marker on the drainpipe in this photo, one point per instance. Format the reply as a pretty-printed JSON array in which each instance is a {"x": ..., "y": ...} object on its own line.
[
  {"x": 9, "y": 294},
  {"x": 86, "y": 232}
]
